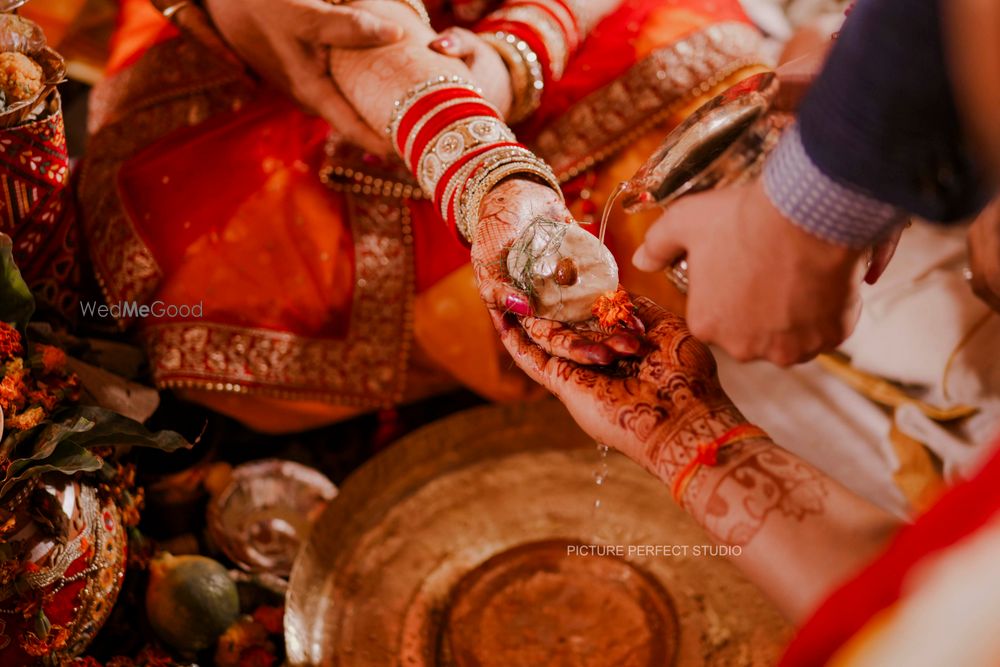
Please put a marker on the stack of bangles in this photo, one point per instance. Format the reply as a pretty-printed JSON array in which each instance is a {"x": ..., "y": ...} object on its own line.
[
  {"x": 459, "y": 148},
  {"x": 535, "y": 38},
  {"x": 708, "y": 455}
]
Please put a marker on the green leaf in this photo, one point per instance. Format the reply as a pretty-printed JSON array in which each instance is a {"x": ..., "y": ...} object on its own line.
[
  {"x": 111, "y": 429},
  {"x": 67, "y": 458},
  {"x": 16, "y": 302}
]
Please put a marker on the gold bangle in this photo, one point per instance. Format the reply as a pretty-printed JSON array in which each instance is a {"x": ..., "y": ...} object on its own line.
[
  {"x": 527, "y": 78},
  {"x": 492, "y": 172},
  {"x": 455, "y": 141},
  {"x": 547, "y": 28}
]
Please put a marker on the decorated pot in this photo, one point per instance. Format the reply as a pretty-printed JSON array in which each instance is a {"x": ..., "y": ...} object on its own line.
[{"x": 63, "y": 567}]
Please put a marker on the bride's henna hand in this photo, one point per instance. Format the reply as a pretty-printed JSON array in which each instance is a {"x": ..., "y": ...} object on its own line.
[
  {"x": 657, "y": 411},
  {"x": 504, "y": 213}
]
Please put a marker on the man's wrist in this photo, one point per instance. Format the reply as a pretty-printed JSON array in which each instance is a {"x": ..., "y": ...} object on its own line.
[{"x": 823, "y": 207}]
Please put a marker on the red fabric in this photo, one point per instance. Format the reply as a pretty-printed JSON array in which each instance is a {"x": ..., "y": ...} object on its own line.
[
  {"x": 37, "y": 210},
  {"x": 958, "y": 514},
  {"x": 608, "y": 52}
]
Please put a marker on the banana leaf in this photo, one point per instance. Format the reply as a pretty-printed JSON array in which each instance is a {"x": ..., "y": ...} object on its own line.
[{"x": 16, "y": 302}]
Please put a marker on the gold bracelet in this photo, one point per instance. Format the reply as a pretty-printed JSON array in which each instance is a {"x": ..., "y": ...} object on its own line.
[
  {"x": 453, "y": 142},
  {"x": 526, "y": 76},
  {"x": 548, "y": 29},
  {"x": 492, "y": 171},
  {"x": 461, "y": 178}
]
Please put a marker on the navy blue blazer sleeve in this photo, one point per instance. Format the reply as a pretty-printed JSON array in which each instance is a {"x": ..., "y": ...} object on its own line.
[{"x": 882, "y": 118}]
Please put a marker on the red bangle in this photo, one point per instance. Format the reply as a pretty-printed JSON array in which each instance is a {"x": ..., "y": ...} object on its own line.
[
  {"x": 708, "y": 455},
  {"x": 423, "y": 106},
  {"x": 459, "y": 148}
]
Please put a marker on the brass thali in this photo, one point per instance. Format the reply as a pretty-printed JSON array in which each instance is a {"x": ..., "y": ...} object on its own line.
[{"x": 450, "y": 506}]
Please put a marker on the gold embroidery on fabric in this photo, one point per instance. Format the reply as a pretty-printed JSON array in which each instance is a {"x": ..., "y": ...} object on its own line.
[
  {"x": 134, "y": 109},
  {"x": 610, "y": 118},
  {"x": 367, "y": 368}
]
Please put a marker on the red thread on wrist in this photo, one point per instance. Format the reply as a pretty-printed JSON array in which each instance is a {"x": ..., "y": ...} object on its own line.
[{"x": 708, "y": 455}]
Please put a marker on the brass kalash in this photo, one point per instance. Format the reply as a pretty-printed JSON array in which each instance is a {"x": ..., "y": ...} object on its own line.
[{"x": 478, "y": 541}]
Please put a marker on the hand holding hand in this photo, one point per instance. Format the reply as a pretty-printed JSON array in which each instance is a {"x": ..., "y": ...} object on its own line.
[
  {"x": 488, "y": 69},
  {"x": 286, "y": 43}
]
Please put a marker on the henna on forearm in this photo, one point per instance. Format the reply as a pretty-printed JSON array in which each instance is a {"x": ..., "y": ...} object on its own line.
[{"x": 373, "y": 79}]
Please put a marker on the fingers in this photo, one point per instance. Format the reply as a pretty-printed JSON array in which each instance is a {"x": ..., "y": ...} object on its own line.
[
  {"x": 318, "y": 94},
  {"x": 345, "y": 28},
  {"x": 662, "y": 245},
  {"x": 502, "y": 296},
  {"x": 882, "y": 255},
  {"x": 583, "y": 347},
  {"x": 650, "y": 313},
  {"x": 557, "y": 375},
  {"x": 454, "y": 43}
]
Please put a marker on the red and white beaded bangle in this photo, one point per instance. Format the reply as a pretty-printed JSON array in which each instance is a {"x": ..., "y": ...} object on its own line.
[
  {"x": 458, "y": 146},
  {"x": 550, "y": 28}
]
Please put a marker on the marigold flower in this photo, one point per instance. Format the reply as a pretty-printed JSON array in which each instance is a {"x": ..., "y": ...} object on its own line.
[
  {"x": 12, "y": 390},
  {"x": 50, "y": 358},
  {"x": 28, "y": 419},
  {"x": 614, "y": 311},
  {"x": 10, "y": 342}
]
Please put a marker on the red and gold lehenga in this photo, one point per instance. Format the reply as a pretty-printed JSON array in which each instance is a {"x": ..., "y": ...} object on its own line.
[{"x": 326, "y": 289}]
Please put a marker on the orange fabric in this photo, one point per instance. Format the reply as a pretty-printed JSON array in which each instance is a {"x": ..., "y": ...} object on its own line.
[{"x": 140, "y": 26}]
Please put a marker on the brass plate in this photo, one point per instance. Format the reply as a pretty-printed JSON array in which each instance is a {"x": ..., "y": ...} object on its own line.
[{"x": 375, "y": 581}]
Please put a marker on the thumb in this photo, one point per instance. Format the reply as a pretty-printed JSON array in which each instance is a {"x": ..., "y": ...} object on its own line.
[
  {"x": 345, "y": 28},
  {"x": 320, "y": 95},
  {"x": 661, "y": 247}
]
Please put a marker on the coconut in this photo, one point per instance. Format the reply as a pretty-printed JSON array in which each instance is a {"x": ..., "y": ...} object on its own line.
[{"x": 563, "y": 267}]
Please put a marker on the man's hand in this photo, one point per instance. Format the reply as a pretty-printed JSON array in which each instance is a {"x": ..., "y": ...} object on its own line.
[
  {"x": 984, "y": 256},
  {"x": 286, "y": 43},
  {"x": 760, "y": 287}
]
